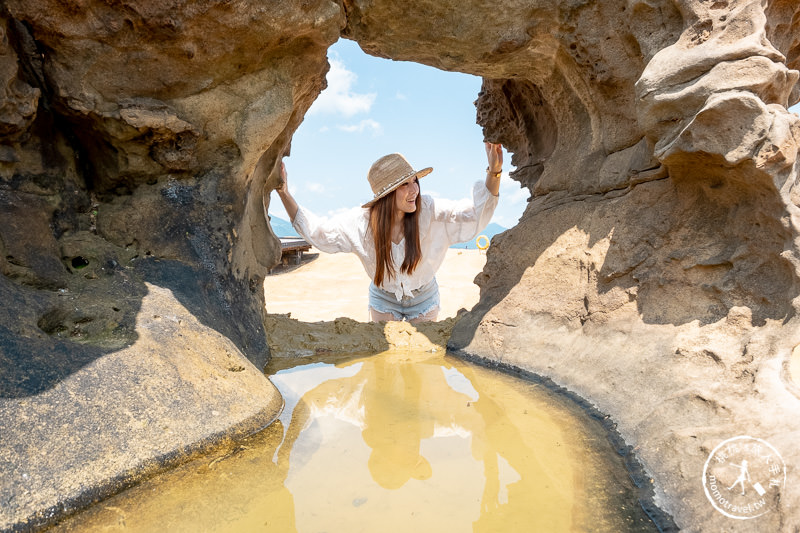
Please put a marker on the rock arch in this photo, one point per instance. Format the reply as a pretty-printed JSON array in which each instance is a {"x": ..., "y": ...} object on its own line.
[{"x": 655, "y": 271}]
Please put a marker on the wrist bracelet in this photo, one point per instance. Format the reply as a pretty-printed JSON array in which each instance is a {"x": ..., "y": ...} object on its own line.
[{"x": 494, "y": 174}]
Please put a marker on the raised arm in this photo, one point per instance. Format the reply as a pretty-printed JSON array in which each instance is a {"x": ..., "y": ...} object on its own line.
[
  {"x": 329, "y": 234},
  {"x": 286, "y": 197},
  {"x": 462, "y": 221},
  {"x": 494, "y": 153}
]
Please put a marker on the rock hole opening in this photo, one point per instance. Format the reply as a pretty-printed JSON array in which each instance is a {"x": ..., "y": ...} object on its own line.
[
  {"x": 373, "y": 107},
  {"x": 79, "y": 262}
]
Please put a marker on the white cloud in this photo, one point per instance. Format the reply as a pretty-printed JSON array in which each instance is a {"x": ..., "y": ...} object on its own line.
[
  {"x": 518, "y": 197},
  {"x": 513, "y": 201},
  {"x": 365, "y": 125},
  {"x": 315, "y": 187},
  {"x": 338, "y": 211},
  {"x": 507, "y": 221},
  {"x": 400, "y": 96},
  {"x": 512, "y": 192},
  {"x": 339, "y": 98}
]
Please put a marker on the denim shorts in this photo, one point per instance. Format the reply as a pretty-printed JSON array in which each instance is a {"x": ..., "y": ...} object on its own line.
[{"x": 422, "y": 301}]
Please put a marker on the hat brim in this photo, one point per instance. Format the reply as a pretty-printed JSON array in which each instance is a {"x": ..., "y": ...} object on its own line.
[{"x": 390, "y": 189}]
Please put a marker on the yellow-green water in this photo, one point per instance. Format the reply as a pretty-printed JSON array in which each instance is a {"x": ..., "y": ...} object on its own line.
[{"x": 399, "y": 441}]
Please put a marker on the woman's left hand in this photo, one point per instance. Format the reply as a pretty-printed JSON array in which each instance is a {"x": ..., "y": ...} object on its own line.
[{"x": 494, "y": 153}]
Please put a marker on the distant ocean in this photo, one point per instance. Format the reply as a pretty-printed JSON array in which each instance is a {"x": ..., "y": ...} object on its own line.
[
  {"x": 491, "y": 230},
  {"x": 283, "y": 228}
]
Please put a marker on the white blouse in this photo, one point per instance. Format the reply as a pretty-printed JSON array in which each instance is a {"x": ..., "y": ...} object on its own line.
[{"x": 442, "y": 223}]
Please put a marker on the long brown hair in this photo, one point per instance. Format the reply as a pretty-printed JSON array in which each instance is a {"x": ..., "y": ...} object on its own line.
[{"x": 380, "y": 222}]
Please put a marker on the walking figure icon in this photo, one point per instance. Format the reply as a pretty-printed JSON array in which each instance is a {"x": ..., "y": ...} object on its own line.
[{"x": 744, "y": 475}]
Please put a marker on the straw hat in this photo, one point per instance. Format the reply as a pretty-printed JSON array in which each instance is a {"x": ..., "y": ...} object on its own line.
[{"x": 388, "y": 173}]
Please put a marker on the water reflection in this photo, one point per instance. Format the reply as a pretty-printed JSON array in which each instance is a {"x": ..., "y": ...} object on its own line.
[
  {"x": 398, "y": 441},
  {"x": 403, "y": 405}
]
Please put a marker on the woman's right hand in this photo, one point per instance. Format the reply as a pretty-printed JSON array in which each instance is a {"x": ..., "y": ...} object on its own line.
[
  {"x": 288, "y": 201},
  {"x": 283, "y": 184}
]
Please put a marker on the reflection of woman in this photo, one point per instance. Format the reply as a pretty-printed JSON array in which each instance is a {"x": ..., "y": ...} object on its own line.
[
  {"x": 531, "y": 474},
  {"x": 401, "y": 236},
  {"x": 395, "y": 423}
]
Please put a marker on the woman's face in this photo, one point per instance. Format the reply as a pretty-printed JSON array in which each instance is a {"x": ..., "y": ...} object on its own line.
[{"x": 405, "y": 196}]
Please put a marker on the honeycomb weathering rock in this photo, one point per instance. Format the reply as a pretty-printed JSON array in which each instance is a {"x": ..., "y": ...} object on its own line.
[{"x": 656, "y": 270}]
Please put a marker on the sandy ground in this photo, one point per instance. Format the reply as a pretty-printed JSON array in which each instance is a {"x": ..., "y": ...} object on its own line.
[{"x": 335, "y": 285}]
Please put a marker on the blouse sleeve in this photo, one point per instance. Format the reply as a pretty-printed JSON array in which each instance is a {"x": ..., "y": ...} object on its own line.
[
  {"x": 464, "y": 220},
  {"x": 330, "y": 235}
]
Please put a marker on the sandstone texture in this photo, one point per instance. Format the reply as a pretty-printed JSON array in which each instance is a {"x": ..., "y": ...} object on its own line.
[
  {"x": 129, "y": 135},
  {"x": 289, "y": 337},
  {"x": 180, "y": 388},
  {"x": 656, "y": 271}
]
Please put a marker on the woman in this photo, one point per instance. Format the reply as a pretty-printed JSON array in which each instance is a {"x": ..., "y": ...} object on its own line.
[{"x": 401, "y": 236}]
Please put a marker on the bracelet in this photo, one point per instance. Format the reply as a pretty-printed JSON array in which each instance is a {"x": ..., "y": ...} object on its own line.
[{"x": 494, "y": 174}]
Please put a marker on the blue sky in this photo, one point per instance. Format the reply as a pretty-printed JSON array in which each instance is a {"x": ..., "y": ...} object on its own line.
[{"x": 373, "y": 107}]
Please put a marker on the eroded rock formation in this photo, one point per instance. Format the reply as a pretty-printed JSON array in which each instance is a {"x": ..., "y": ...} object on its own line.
[
  {"x": 656, "y": 271},
  {"x": 129, "y": 133}
]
